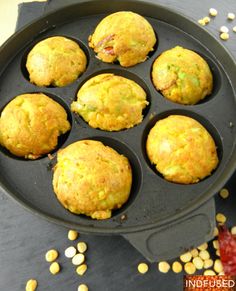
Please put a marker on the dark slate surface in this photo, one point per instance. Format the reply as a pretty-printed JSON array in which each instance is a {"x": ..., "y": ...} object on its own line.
[{"x": 24, "y": 238}]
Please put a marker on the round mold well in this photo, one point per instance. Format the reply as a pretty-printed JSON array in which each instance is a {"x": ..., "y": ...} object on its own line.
[
  {"x": 119, "y": 72},
  {"x": 61, "y": 139},
  {"x": 202, "y": 120},
  {"x": 137, "y": 175},
  {"x": 25, "y": 72},
  {"x": 216, "y": 74}
]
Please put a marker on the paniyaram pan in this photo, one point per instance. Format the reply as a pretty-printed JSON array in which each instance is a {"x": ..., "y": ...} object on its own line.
[{"x": 161, "y": 219}]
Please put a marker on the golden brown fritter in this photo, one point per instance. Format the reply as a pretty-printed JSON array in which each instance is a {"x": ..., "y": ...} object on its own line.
[
  {"x": 30, "y": 125},
  {"x": 123, "y": 36},
  {"x": 182, "y": 149},
  {"x": 110, "y": 102},
  {"x": 92, "y": 179},
  {"x": 56, "y": 61},
  {"x": 182, "y": 76}
]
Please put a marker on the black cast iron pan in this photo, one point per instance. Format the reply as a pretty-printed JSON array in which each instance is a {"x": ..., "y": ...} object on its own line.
[{"x": 161, "y": 219}]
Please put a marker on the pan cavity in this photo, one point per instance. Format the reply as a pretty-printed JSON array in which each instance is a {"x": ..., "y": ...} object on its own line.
[
  {"x": 185, "y": 83},
  {"x": 112, "y": 179},
  {"x": 178, "y": 150},
  {"x": 37, "y": 128},
  {"x": 55, "y": 61},
  {"x": 112, "y": 100}
]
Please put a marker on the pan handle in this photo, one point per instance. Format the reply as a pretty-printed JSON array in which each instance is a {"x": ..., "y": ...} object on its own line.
[{"x": 172, "y": 240}]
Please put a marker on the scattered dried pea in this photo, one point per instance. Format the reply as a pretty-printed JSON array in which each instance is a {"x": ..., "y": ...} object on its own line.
[
  {"x": 80, "y": 270},
  {"x": 198, "y": 263},
  {"x": 209, "y": 273},
  {"x": 224, "y": 193},
  {"x": 177, "y": 267},
  {"x": 206, "y": 19},
  {"x": 142, "y": 268},
  {"x": 189, "y": 268},
  {"x": 216, "y": 232},
  {"x": 224, "y": 36},
  {"x": 72, "y": 234},
  {"x": 213, "y": 12},
  {"x": 31, "y": 285},
  {"x": 194, "y": 253},
  {"x": 233, "y": 230},
  {"x": 231, "y": 16},
  {"x": 226, "y": 30},
  {"x": 203, "y": 247},
  {"x": 51, "y": 255},
  {"x": 82, "y": 247},
  {"x": 218, "y": 267},
  {"x": 83, "y": 287},
  {"x": 70, "y": 252},
  {"x": 204, "y": 254},
  {"x": 78, "y": 259},
  {"x": 202, "y": 22},
  {"x": 54, "y": 268},
  {"x": 216, "y": 244},
  {"x": 221, "y": 218},
  {"x": 186, "y": 257},
  {"x": 163, "y": 267},
  {"x": 208, "y": 263}
]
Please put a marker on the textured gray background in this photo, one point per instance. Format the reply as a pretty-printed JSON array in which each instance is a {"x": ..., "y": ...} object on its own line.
[{"x": 24, "y": 238}]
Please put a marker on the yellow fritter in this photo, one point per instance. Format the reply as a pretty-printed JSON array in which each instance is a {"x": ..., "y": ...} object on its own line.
[
  {"x": 56, "y": 61},
  {"x": 123, "y": 36},
  {"x": 182, "y": 76},
  {"x": 110, "y": 102},
  {"x": 92, "y": 179},
  {"x": 182, "y": 149},
  {"x": 30, "y": 125}
]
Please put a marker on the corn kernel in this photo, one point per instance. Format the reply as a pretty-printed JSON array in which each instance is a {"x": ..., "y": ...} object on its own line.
[
  {"x": 203, "y": 247},
  {"x": 220, "y": 218},
  {"x": 224, "y": 36},
  {"x": 216, "y": 232},
  {"x": 31, "y": 285},
  {"x": 209, "y": 273},
  {"x": 204, "y": 254},
  {"x": 224, "y": 29},
  {"x": 233, "y": 230},
  {"x": 54, "y": 268},
  {"x": 142, "y": 268},
  {"x": 72, "y": 234},
  {"x": 202, "y": 22},
  {"x": 70, "y": 252},
  {"x": 83, "y": 287},
  {"x": 231, "y": 16},
  {"x": 224, "y": 193},
  {"x": 82, "y": 247},
  {"x": 78, "y": 259},
  {"x": 218, "y": 267},
  {"x": 194, "y": 253},
  {"x": 213, "y": 12},
  {"x": 80, "y": 270},
  {"x": 189, "y": 268},
  {"x": 177, "y": 267},
  {"x": 208, "y": 263},
  {"x": 163, "y": 267},
  {"x": 206, "y": 19},
  {"x": 186, "y": 257},
  {"x": 51, "y": 255},
  {"x": 215, "y": 244},
  {"x": 234, "y": 29},
  {"x": 198, "y": 263},
  {"x": 218, "y": 252}
]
